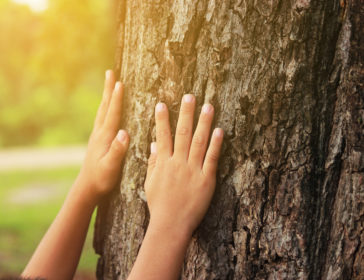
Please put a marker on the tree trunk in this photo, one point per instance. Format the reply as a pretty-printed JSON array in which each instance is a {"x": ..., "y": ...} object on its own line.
[{"x": 286, "y": 79}]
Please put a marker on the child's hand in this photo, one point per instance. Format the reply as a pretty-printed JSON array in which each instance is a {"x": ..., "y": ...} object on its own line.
[
  {"x": 181, "y": 181},
  {"x": 58, "y": 254},
  {"x": 179, "y": 186},
  {"x": 107, "y": 144}
]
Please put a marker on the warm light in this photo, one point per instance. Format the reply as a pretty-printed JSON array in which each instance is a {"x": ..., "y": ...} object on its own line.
[{"x": 35, "y": 5}]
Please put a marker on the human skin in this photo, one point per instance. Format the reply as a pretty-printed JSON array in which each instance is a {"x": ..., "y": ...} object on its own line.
[
  {"x": 58, "y": 253},
  {"x": 179, "y": 186}
]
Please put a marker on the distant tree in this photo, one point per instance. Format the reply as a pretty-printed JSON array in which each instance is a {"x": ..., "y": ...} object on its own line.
[
  {"x": 51, "y": 70},
  {"x": 286, "y": 79}
]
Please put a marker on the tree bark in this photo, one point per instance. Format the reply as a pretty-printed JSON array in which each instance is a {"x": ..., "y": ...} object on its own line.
[{"x": 286, "y": 79}]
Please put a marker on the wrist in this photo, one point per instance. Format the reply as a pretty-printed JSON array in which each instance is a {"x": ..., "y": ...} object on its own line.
[
  {"x": 170, "y": 231},
  {"x": 82, "y": 189}
]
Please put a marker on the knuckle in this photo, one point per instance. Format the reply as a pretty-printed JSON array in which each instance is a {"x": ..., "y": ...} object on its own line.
[
  {"x": 163, "y": 132},
  {"x": 213, "y": 156},
  {"x": 117, "y": 147},
  {"x": 177, "y": 162},
  {"x": 182, "y": 131},
  {"x": 198, "y": 140},
  {"x": 187, "y": 108}
]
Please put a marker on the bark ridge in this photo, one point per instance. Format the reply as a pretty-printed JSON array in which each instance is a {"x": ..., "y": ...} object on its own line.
[{"x": 286, "y": 80}]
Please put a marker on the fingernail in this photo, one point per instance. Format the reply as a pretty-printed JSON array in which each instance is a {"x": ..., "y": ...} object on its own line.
[
  {"x": 207, "y": 108},
  {"x": 188, "y": 98},
  {"x": 160, "y": 107},
  {"x": 153, "y": 147},
  {"x": 218, "y": 132},
  {"x": 118, "y": 85},
  {"x": 121, "y": 136},
  {"x": 108, "y": 74}
]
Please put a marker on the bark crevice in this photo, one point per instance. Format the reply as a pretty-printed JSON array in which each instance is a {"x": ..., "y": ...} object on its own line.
[{"x": 286, "y": 81}]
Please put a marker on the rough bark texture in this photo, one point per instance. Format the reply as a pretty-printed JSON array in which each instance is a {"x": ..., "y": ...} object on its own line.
[{"x": 286, "y": 79}]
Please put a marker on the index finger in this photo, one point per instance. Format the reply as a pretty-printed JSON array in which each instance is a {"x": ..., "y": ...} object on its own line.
[{"x": 163, "y": 131}]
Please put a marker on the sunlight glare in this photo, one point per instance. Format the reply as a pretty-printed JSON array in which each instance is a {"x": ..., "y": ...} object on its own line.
[{"x": 35, "y": 5}]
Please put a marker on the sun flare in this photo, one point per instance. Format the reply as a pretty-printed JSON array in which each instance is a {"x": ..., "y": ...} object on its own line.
[{"x": 35, "y": 5}]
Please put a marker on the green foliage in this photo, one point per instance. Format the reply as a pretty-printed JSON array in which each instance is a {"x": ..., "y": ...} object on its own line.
[
  {"x": 52, "y": 69},
  {"x": 23, "y": 223}
]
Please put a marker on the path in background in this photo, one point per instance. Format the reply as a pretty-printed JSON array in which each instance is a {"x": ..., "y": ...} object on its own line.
[
  {"x": 36, "y": 158},
  {"x": 33, "y": 185}
]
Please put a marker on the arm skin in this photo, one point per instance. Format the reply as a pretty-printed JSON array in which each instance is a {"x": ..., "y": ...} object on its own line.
[
  {"x": 58, "y": 254},
  {"x": 179, "y": 186}
]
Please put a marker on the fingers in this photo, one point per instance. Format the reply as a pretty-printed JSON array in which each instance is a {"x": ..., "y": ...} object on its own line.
[
  {"x": 213, "y": 152},
  {"x": 163, "y": 131},
  {"x": 152, "y": 159},
  {"x": 118, "y": 148},
  {"x": 201, "y": 136},
  {"x": 108, "y": 89},
  {"x": 113, "y": 115},
  {"x": 184, "y": 127}
]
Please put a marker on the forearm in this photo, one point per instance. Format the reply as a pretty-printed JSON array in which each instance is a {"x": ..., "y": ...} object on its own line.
[
  {"x": 58, "y": 253},
  {"x": 179, "y": 186},
  {"x": 161, "y": 254}
]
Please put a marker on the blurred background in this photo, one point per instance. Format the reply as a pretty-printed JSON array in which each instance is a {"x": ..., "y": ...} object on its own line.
[{"x": 53, "y": 55}]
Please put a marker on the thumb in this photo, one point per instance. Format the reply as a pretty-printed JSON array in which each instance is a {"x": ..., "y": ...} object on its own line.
[{"x": 118, "y": 148}]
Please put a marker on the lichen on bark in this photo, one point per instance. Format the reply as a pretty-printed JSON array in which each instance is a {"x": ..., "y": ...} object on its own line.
[{"x": 286, "y": 81}]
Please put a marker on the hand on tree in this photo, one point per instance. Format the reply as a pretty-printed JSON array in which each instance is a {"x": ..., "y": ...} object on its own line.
[
  {"x": 181, "y": 181},
  {"x": 107, "y": 144},
  {"x": 179, "y": 186},
  {"x": 57, "y": 255}
]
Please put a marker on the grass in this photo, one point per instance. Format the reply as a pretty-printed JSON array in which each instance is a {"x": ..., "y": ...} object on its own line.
[{"x": 29, "y": 201}]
